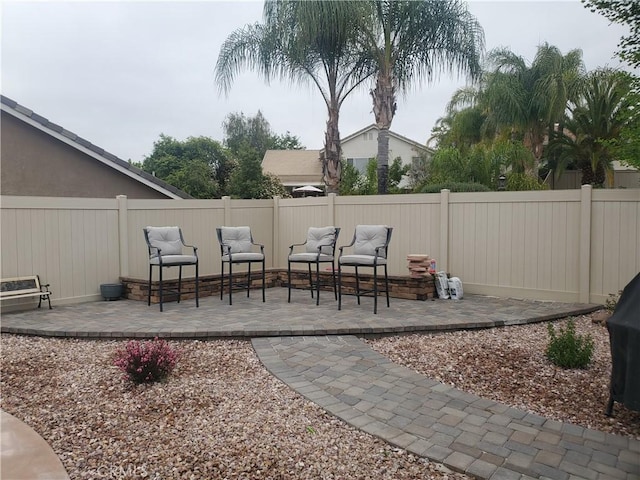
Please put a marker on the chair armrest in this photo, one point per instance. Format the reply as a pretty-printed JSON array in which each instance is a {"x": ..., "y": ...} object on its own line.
[
  {"x": 195, "y": 249},
  {"x": 346, "y": 246},
  {"x": 295, "y": 245}
]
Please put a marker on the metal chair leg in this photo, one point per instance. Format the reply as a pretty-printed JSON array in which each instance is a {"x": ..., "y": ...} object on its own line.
[
  {"x": 289, "y": 281},
  {"x": 310, "y": 279},
  {"x": 333, "y": 274},
  {"x": 197, "y": 290},
  {"x": 357, "y": 285},
  {"x": 248, "y": 279},
  {"x": 221, "y": 279},
  {"x": 317, "y": 283},
  {"x": 386, "y": 283},
  {"x": 149, "y": 292},
  {"x": 375, "y": 289},
  {"x": 230, "y": 282},
  {"x": 339, "y": 287},
  {"x": 160, "y": 288},
  {"x": 179, "y": 282},
  {"x": 263, "y": 281}
]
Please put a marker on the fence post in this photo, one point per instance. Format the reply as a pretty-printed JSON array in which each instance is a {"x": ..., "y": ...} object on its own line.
[
  {"x": 443, "y": 261},
  {"x": 226, "y": 201},
  {"x": 331, "y": 208},
  {"x": 276, "y": 232},
  {"x": 584, "y": 259},
  {"x": 123, "y": 235}
]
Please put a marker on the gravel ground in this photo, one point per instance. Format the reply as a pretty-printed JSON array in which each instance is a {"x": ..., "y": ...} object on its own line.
[
  {"x": 221, "y": 415},
  {"x": 509, "y": 365}
]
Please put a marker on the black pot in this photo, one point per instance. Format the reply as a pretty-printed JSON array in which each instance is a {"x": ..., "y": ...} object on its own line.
[{"x": 111, "y": 291}]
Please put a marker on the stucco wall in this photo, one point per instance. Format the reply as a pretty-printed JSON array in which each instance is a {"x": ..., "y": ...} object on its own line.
[{"x": 37, "y": 164}]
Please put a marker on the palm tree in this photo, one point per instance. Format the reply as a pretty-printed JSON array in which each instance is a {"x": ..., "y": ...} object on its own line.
[
  {"x": 594, "y": 122},
  {"x": 309, "y": 41},
  {"x": 409, "y": 41},
  {"x": 530, "y": 100}
]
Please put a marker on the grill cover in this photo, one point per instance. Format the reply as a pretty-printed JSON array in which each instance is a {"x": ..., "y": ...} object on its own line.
[{"x": 624, "y": 337}]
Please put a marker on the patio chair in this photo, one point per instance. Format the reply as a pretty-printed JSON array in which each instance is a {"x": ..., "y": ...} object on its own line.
[
  {"x": 237, "y": 247},
  {"x": 320, "y": 247},
  {"x": 370, "y": 244},
  {"x": 165, "y": 251}
]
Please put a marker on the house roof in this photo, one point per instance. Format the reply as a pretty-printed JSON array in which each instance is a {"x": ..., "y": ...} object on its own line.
[
  {"x": 122, "y": 166},
  {"x": 373, "y": 126},
  {"x": 294, "y": 167}
]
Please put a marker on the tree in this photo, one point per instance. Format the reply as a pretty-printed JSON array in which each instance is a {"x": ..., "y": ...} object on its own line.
[
  {"x": 199, "y": 165},
  {"x": 355, "y": 183},
  {"x": 409, "y": 41},
  {"x": 479, "y": 164},
  {"x": 248, "y": 138},
  {"x": 595, "y": 121},
  {"x": 286, "y": 141},
  {"x": 256, "y": 133},
  {"x": 253, "y": 132},
  {"x": 528, "y": 100},
  {"x": 303, "y": 42},
  {"x": 626, "y": 148},
  {"x": 625, "y": 12},
  {"x": 460, "y": 129},
  {"x": 248, "y": 181}
]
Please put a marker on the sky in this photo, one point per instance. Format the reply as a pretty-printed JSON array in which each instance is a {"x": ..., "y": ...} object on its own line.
[{"x": 120, "y": 73}]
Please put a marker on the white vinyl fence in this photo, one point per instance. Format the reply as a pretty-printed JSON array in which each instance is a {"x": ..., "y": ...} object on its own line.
[{"x": 570, "y": 245}]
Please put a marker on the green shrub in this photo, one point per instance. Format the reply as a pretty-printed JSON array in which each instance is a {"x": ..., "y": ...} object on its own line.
[
  {"x": 611, "y": 302},
  {"x": 454, "y": 187},
  {"x": 517, "y": 182},
  {"x": 566, "y": 349}
]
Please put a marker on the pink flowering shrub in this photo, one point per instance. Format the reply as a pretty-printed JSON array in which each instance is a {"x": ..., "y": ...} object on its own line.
[{"x": 146, "y": 362}]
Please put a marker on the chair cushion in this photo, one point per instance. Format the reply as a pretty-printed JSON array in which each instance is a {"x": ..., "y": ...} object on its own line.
[
  {"x": 167, "y": 239},
  {"x": 324, "y": 237},
  {"x": 310, "y": 257},
  {"x": 174, "y": 260},
  {"x": 361, "y": 260},
  {"x": 243, "y": 257},
  {"x": 237, "y": 238},
  {"x": 368, "y": 237}
]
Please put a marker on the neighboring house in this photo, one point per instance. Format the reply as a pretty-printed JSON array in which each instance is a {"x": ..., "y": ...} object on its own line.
[
  {"x": 622, "y": 177},
  {"x": 40, "y": 158},
  {"x": 294, "y": 168},
  {"x": 361, "y": 146}
]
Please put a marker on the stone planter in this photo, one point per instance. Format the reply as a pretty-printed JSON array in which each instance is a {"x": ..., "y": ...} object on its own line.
[{"x": 111, "y": 291}]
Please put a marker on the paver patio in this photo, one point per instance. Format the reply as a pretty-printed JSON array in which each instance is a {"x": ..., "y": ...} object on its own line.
[{"x": 315, "y": 350}]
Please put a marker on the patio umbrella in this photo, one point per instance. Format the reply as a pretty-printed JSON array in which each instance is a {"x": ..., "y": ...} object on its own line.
[{"x": 307, "y": 188}]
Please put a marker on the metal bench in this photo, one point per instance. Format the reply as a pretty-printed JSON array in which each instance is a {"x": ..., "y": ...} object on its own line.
[{"x": 23, "y": 287}]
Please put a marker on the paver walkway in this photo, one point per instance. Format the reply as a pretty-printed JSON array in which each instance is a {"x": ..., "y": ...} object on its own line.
[
  {"x": 467, "y": 433},
  {"x": 314, "y": 350}
]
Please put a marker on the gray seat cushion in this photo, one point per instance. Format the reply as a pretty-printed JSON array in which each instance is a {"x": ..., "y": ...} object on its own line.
[
  {"x": 167, "y": 239},
  {"x": 238, "y": 239},
  {"x": 244, "y": 257},
  {"x": 368, "y": 237},
  {"x": 361, "y": 260},
  {"x": 310, "y": 257},
  {"x": 174, "y": 260},
  {"x": 324, "y": 237}
]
